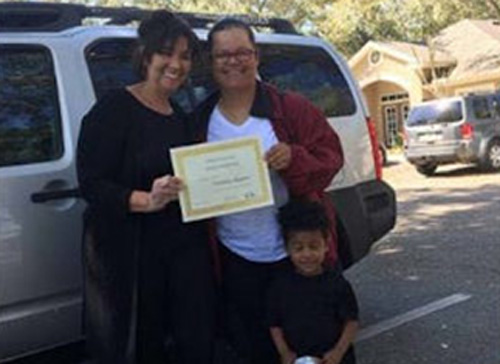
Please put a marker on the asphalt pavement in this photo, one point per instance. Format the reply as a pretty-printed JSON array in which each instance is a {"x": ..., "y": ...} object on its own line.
[{"x": 429, "y": 292}]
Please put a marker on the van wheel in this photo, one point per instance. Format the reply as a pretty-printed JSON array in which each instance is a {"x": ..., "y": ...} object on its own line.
[
  {"x": 491, "y": 160},
  {"x": 427, "y": 169}
]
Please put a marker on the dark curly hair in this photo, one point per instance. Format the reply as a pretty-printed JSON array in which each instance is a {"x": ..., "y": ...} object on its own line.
[
  {"x": 160, "y": 30},
  {"x": 302, "y": 215}
]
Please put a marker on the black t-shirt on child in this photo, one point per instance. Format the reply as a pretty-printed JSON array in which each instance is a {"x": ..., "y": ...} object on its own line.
[{"x": 312, "y": 311}]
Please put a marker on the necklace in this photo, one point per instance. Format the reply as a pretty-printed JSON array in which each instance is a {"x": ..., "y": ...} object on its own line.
[{"x": 151, "y": 101}]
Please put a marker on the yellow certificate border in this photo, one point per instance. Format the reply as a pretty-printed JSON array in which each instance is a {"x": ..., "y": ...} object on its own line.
[{"x": 179, "y": 156}]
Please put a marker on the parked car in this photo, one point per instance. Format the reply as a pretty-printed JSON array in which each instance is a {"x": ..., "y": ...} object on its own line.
[
  {"x": 52, "y": 69},
  {"x": 463, "y": 129}
]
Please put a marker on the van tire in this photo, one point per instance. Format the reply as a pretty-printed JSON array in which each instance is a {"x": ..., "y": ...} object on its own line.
[
  {"x": 491, "y": 159},
  {"x": 427, "y": 169}
]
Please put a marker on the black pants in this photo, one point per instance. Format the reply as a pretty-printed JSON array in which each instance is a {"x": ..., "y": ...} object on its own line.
[
  {"x": 176, "y": 300},
  {"x": 244, "y": 293}
]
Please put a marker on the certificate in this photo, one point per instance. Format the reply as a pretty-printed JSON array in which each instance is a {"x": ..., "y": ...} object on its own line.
[{"x": 222, "y": 178}]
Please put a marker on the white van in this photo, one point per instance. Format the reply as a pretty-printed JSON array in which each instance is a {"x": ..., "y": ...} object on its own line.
[{"x": 52, "y": 69}]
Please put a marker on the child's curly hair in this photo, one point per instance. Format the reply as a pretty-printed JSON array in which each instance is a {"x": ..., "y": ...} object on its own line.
[{"x": 303, "y": 215}]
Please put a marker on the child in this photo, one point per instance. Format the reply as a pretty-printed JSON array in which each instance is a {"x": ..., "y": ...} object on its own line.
[{"x": 313, "y": 310}]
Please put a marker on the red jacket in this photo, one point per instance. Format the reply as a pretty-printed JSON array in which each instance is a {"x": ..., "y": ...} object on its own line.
[{"x": 316, "y": 150}]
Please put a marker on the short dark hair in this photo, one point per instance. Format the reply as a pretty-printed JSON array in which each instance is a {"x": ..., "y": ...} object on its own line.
[
  {"x": 159, "y": 30},
  {"x": 303, "y": 215},
  {"x": 229, "y": 23}
]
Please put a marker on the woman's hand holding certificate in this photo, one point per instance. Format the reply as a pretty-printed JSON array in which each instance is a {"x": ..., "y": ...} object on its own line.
[{"x": 222, "y": 178}]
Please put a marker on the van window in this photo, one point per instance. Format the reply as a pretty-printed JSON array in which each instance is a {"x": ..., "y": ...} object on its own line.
[
  {"x": 307, "y": 70},
  {"x": 110, "y": 67},
  {"x": 440, "y": 112},
  {"x": 481, "y": 108},
  {"x": 311, "y": 72},
  {"x": 30, "y": 121}
]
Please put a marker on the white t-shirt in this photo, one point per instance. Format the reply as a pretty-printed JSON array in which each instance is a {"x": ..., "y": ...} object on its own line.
[{"x": 255, "y": 234}]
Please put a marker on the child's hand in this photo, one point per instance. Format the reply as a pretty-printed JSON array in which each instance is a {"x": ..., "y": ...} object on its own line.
[
  {"x": 288, "y": 357},
  {"x": 332, "y": 357}
]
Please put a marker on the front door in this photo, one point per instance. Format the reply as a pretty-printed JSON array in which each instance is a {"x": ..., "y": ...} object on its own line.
[
  {"x": 394, "y": 117},
  {"x": 391, "y": 125}
]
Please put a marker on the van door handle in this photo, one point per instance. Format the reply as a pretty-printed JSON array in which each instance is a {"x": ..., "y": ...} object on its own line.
[{"x": 44, "y": 196}]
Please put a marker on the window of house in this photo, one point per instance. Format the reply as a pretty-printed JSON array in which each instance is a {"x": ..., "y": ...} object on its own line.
[
  {"x": 442, "y": 72},
  {"x": 30, "y": 121},
  {"x": 395, "y": 97},
  {"x": 375, "y": 57},
  {"x": 437, "y": 73}
]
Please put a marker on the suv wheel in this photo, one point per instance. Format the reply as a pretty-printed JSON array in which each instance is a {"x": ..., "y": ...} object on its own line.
[
  {"x": 427, "y": 169},
  {"x": 491, "y": 160}
]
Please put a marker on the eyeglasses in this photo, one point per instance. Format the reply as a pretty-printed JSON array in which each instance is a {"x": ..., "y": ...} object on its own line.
[{"x": 241, "y": 55}]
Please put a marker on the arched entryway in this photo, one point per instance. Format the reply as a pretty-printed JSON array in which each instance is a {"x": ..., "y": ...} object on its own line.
[{"x": 389, "y": 104}]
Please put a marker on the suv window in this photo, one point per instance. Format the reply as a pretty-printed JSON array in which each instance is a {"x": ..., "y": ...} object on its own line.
[
  {"x": 311, "y": 72},
  {"x": 30, "y": 121},
  {"x": 439, "y": 112},
  {"x": 307, "y": 70},
  {"x": 481, "y": 108},
  {"x": 110, "y": 65}
]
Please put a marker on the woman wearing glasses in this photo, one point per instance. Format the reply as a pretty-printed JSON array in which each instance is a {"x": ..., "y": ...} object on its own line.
[{"x": 303, "y": 154}]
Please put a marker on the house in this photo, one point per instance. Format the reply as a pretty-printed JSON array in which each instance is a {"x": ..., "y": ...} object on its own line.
[{"x": 463, "y": 58}]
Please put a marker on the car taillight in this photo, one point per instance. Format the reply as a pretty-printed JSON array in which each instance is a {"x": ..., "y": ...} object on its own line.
[
  {"x": 467, "y": 131},
  {"x": 377, "y": 159}
]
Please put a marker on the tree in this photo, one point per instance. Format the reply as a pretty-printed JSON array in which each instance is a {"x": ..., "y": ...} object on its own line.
[
  {"x": 494, "y": 6},
  {"x": 348, "y": 24},
  {"x": 351, "y": 23}
]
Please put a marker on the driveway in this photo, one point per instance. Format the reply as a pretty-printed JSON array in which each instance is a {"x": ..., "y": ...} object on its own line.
[{"x": 429, "y": 292}]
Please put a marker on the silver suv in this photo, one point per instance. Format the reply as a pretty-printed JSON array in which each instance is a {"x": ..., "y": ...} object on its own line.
[
  {"x": 53, "y": 67},
  {"x": 462, "y": 129}
]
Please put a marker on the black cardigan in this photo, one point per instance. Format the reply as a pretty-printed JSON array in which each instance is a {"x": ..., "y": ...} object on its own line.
[{"x": 108, "y": 170}]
